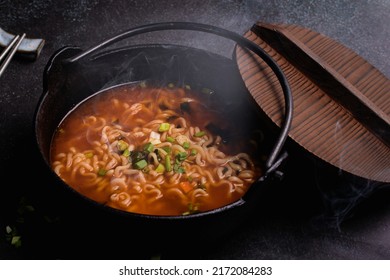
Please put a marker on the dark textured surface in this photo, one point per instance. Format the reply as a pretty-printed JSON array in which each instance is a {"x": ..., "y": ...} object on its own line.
[{"x": 304, "y": 218}]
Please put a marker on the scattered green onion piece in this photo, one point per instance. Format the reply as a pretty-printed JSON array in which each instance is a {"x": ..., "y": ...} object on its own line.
[
  {"x": 137, "y": 155},
  {"x": 192, "y": 209},
  {"x": 102, "y": 172},
  {"x": 160, "y": 168},
  {"x": 168, "y": 166},
  {"x": 178, "y": 168},
  {"x": 126, "y": 153},
  {"x": 122, "y": 145},
  {"x": 8, "y": 229},
  {"x": 186, "y": 145},
  {"x": 167, "y": 149},
  {"x": 164, "y": 127},
  {"x": 170, "y": 139},
  {"x": 140, "y": 164},
  {"x": 193, "y": 152},
  {"x": 16, "y": 241},
  {"x": 200, "y": 134},
  {"x": 148, "y": 147},
  {"x": 181, "y": 156}
]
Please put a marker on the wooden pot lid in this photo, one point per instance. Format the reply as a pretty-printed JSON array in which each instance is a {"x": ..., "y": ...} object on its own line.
[{"x": 341, "y": 110}]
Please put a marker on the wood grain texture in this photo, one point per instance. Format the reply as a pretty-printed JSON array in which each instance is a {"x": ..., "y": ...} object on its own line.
[{"x": 339, "y": 131}]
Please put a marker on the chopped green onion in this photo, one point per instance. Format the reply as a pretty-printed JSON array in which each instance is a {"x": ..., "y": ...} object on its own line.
[
  {"x": 160, "y": 168},
  {"x": 181, "y": 156},
  {"x": 102, "y": 172},
  {"x": 122, "y": 145},
  {"x": 167, "y": 149},
  {"x": 200, "y": 134},
  {"x": 168, "y": 166},
  {"x": 178, "y": 168},
  {"x": 163, "y": 127},
  {"x": 138, "y": 155},
  {"x": 186, "y": 145},
  {"x": 126, "y": 153},
  {"x": 181, "y": 170},
  {"x": 192, "y": 209},
  {"x": 8, "y": 229},
  {"x": 148, "y": 147},
  {"x": 16, "y": 241},
  {"x": 140, "y": 164},
  {"x": 193, "y": 152},
  {"x": 170, "y": 139}
]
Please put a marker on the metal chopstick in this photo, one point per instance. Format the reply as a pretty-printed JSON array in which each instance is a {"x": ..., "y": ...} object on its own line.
[{"x": 10, "y": 50}]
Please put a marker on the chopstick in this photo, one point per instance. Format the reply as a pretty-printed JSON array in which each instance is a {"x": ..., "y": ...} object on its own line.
[{"x": 10, "y": 50}]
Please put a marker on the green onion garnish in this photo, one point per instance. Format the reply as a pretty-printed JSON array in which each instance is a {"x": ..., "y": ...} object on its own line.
[
  {"x": 163, "y": 127},
  {"x": 200, "y": 134},
  {"x": 181, "y": 156},
  {"x": 186, "y": 145},
  {"x": 122, "y": 145},
  {"x": 140, "y": 164},
  {"x": 126, "y": 153},
  {"x": 160, "y": 168},
  {"x": 168, "y": 166},
  {"x": 148, "y": 147}
]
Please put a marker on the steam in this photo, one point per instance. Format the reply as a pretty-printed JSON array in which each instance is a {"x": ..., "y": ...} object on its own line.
[{"x": 341, "y": 193}]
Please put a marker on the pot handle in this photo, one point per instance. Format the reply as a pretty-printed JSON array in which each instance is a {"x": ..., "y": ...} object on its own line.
[{"x": 276, "y": 156}]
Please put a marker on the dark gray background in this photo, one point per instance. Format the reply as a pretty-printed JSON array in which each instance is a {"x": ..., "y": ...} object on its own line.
[{"x": 295, "y": 224}]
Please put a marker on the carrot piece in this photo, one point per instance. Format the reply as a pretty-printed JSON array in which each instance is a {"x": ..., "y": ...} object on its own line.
[{"x": 185, "y": 186}]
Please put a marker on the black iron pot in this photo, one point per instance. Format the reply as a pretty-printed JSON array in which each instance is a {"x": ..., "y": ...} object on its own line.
[{"x": 72, "y": 76}]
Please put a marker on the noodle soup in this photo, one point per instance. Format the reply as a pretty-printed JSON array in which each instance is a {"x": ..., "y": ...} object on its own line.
[{"x": 157, "y": 151}]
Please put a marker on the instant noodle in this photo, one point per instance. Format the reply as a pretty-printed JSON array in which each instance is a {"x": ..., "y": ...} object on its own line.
[{"x": 158, "y": 151}]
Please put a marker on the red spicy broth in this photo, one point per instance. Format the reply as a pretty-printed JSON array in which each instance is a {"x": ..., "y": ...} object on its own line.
[{"x": 155, "y": 151}]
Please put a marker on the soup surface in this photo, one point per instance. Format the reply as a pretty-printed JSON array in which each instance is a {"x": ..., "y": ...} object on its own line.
[{"x": 158, "y": 151}]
